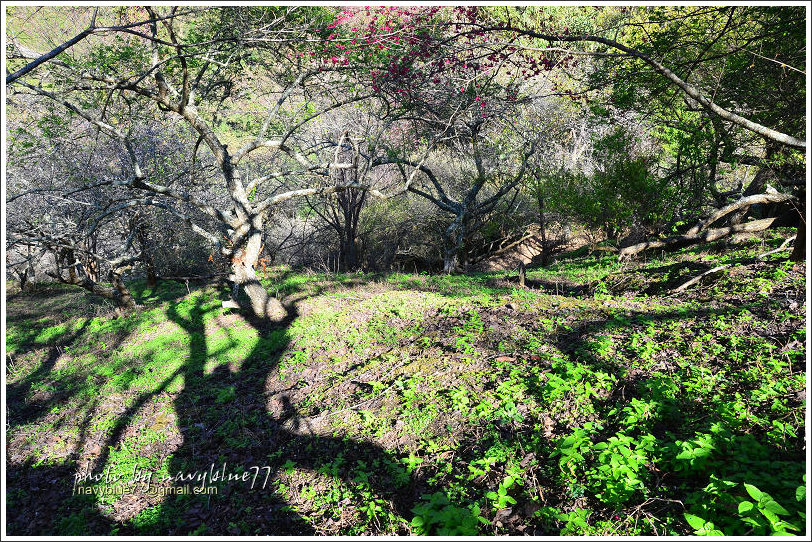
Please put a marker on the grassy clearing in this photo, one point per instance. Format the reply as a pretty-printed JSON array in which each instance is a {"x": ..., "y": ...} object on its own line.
[{"x": 592, "y": 402}]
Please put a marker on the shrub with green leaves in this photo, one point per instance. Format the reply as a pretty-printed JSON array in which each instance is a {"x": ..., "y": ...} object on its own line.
[
  {"x": 757, "y": 513},
  {"x": 438, "y": 516},
  {"x": 613, "y": 470},
  {"x": 621, "y": 471},
  {"x": 622, "y": 190}
]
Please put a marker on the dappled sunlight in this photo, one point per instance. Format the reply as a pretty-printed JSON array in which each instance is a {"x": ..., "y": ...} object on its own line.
[
  {"x": 530, "y": 394},
  {"x": 406, "y": 270}
]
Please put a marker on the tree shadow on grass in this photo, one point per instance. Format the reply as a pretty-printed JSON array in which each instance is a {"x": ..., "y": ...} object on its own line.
[
  {"x": 40, "y": 501},
  {"x": 39, "y": 493},
  {"x": 222, "y": 414},
  {"x": 223, "y": 417},
  {"x": 41, "y": 490},
  {"x": 237, "y": 430},
  {"x": 22, "y": 410},
  {"x": 226, "y": 424}
]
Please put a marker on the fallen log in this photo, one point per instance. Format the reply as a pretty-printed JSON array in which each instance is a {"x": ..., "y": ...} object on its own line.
[
  {"x": 696, "y": 279},
  {"x": 192, "y": 277},
  {"x": 783, "y": 246},
  {"x": 737, "y": 205},
  {"x": 700, "y": 232},
  {"x": 680, "y": 241},
  {"x": 597, "y": 248},
  {"x": 716, "y": 269},
  {"x": 490, "y": 253}
]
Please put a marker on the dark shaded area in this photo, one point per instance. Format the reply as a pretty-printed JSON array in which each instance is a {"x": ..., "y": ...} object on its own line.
[
  {"x": 741, "y": 456},
  {"x": 251, "y": 438},
  {"x": 20, "y": 410},
  {"x": 40, "y": 501},
  {"x": 239, "y": 433}
]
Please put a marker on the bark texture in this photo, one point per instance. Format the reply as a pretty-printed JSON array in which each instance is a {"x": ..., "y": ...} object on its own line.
[
  {"x": 700, "y": 232},
  {"x": 680, "y": 241}
]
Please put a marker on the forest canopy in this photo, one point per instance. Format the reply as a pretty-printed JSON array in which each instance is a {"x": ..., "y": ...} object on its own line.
[{"x": 371, "y": 138}]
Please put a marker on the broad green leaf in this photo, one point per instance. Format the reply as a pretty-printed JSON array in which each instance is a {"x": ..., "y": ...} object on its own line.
[
  {"x": 754, "y": 492},
  {"x": 745, "y": 506},
  {"x": 785, "y": 525},
  {"x": 775, "y": 508},
  {"x": 694, "y": 521},
  {"x": 770, "y": 515},
  {"x": 754, "y": 521}
]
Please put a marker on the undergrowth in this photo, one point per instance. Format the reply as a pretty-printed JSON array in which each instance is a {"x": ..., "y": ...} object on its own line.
[{"x": 596, "y": 401}]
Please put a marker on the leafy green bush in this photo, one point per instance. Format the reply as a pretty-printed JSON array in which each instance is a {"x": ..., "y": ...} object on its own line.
[
  {"x": 439, "y": 516},
  {"x": 622, "y": 191},
  {"x": 758, "y": 515},
  {"x": 500, "y": 497},
  {"x": 621, "y": 467},
  {"x": 613, "y": 470}
]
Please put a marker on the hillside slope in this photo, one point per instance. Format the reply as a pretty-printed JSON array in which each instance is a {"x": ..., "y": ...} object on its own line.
[{"x": 593, "y": 401}]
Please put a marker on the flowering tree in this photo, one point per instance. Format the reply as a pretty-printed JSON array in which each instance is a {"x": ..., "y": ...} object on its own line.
[
  {"x": 447, "y": 99},
  {"x": 248, "y": 84}
]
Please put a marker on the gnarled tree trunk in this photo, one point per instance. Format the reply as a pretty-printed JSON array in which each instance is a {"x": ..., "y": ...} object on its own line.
[
  {"x": 243, "y": 274},
  {"x": 799, "y": 250},
  {"x": 452, "y": 244},
  {"x": 147, "y": 255},
  {"x": 122, "y": 294},
  {"x": 77, "y": 275}
]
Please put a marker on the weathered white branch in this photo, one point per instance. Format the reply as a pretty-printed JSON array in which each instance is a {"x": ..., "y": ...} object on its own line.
[
  {"x": 687, "y": 88},
  {"x": 704, "y": 237},
  {"x": 736, "y": 205}
]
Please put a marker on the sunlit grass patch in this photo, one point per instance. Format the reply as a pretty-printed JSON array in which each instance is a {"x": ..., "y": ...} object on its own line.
[{"x": 423, "y": 404}]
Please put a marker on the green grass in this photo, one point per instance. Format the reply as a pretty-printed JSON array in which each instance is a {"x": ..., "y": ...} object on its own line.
[{"x": 417, "y": 404}]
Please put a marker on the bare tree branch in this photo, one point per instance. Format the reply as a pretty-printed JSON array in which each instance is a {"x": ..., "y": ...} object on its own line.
[{"x": 687, "y": 88}]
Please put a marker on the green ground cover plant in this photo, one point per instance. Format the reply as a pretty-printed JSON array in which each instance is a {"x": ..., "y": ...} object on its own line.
[{"x": 417, "y": 404}]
